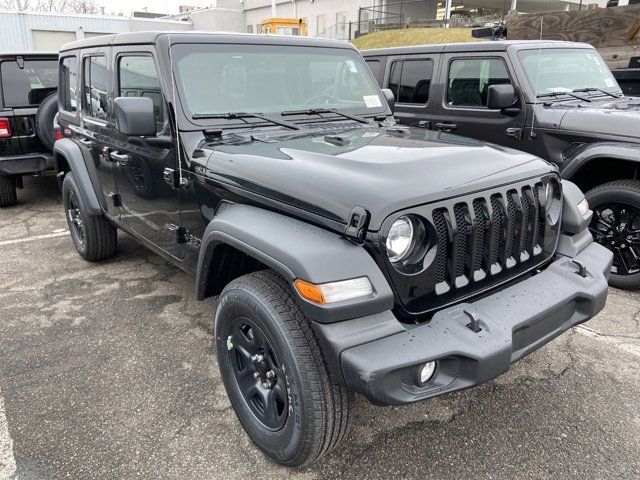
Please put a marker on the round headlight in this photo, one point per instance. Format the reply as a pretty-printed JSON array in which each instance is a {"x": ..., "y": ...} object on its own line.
[{"x": 400, "y": 239}]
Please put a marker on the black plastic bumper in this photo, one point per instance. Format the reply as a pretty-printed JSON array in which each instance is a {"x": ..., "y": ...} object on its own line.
[
  {"x": 26, "y": 164},
  {"x": 514, "y": 322}
]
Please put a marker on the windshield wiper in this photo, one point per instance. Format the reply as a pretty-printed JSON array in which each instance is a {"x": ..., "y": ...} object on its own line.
[
  {"x": 318, "y": 111},
  {"x": 555, "y": 94},
  {"x": 242, "y": 116},
  {"x": 595, "y": 89}
]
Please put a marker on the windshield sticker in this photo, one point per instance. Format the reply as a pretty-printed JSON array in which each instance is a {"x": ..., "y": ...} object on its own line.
[
  {"x": 608, "y": 82},
  {"x": 351, "y": 66},
  {"x": 372, "y": 101}
]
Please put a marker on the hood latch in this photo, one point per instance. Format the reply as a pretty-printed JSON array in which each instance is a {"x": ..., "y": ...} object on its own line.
[{"x": 356, "y": 228}]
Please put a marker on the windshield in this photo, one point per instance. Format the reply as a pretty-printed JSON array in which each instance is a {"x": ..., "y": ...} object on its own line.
[
  {"x": 29, "y": 85},
  {"x": 218, "y": 79},
  {"x": 557, "y": 70}
]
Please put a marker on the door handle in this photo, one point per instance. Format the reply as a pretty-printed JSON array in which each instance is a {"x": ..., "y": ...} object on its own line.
[
  {"x": 120, "y": 158},
  {"x": 86, "y": 142},
  {"x": 446, "y": 126}
]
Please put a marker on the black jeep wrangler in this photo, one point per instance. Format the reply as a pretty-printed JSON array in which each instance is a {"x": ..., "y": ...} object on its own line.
[
  {"x": 557, "y": 100},
  {"x": 28, "y": 105},
  {"x": 350, "y": 254}
]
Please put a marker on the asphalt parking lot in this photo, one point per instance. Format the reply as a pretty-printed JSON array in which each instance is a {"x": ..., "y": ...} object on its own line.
[{"x": 107, "y": 372}]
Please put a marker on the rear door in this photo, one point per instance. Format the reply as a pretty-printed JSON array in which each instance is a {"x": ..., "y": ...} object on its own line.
[
  {"x": 462, "y": 108},
  {"x": 96, "y": 127},
  {"x": 410, "y": 80},
  {"x": 26, "y": 81}
]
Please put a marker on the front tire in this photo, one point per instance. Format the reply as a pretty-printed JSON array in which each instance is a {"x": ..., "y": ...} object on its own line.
[
  {"x": 274, "y": 372},
  {"x": 616, "y": 226},
  {"x": 8, "y": 196},
  {"x": 94, "y": 237}
]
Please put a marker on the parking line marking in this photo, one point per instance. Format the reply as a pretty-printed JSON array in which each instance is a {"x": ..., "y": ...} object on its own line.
[
  {"x": 33, "y": 238},
  {"x": 7, "y": 461}
]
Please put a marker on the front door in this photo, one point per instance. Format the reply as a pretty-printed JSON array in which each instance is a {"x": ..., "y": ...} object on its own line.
[
  {"x": 463, "y": 108},
  {"x": 149, "y": 205}
]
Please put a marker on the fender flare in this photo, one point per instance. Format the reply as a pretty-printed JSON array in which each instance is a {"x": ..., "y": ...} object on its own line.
[
  {"x": 295, "y": 249},
  {"x": 594, "y": 151},
  {"x": 71, "y": 152}
]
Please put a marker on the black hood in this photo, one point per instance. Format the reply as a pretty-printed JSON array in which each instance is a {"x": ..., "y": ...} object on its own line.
[
  {"x": 602, "y": 116},
  {"x": 381, "y": 169}
]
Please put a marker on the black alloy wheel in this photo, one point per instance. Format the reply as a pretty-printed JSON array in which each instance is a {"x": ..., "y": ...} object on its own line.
[
  {"x": 74, "y": 216},
  {"x": 616, "y": 226},
  {"x": 258, "y": 373}
]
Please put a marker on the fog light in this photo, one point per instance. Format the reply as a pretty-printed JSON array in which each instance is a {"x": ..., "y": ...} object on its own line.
[{"x": 426, "y": 372}]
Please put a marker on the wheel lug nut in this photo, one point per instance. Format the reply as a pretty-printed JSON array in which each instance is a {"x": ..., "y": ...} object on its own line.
[
  {"x": 270, "y": 374},
  {"x": 266, "y": 384},
  {"x": 256, "y": 374}
]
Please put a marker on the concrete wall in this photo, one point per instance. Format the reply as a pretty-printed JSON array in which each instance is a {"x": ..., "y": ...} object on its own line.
[{"x": 218, "y": 20}]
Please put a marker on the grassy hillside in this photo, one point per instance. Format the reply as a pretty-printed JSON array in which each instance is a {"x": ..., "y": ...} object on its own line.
[{"x": 413, "y": 36}]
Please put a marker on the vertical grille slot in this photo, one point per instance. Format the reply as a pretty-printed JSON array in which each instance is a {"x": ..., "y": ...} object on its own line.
[
  {"x": 480, "y": 234},
  {"x": 540, "y": 224},
  {"x": 442, "y": 233},
  {"x": 460, "y": 233},
  {"x": 497, "y": 231}
]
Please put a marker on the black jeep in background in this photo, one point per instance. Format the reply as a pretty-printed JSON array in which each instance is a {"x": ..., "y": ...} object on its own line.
[
  {"x": 556, "y": 100},
  {"x": 28, "y": 105},
  {"x": 349, "y": 253}
]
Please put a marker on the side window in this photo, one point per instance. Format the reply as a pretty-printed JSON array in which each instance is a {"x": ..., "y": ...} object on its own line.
[
  {"x": 470, "y": 79},
  {"x": 69, "y": 83},
  {"x": 95, "y": 85},
  {"x": 376, "y": 68},
  {"x": 394, "y": 78},
  {"x": 415, "y": 81},
  {"x": 137, "y": 77}
]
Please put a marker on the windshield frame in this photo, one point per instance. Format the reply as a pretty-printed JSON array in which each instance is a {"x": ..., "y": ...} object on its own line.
[
  {"x": 177, "y": 53},
  {"x": 562, "y": 96}
]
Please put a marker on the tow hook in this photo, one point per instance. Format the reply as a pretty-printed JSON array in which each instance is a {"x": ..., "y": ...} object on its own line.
[
  {"x": 582, "y": 269},
  {"x": 474, "y": 326}
]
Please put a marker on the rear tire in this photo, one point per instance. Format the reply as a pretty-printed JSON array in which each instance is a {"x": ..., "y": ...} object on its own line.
[
  {"x": 8, "y": 196},
  {"x": 94, "y": 237},
  {"x": 616, "y": 226},
  {"x": 258, "y": 315},
  {"x": 44, "y": 120}
]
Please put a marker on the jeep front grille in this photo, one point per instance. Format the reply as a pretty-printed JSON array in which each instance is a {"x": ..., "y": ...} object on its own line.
[{"x": 480, "y": 241}]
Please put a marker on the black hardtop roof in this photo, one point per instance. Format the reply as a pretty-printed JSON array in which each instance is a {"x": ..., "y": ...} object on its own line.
[
  {"x": 150, "y": 38},
  {"x": 488, "y": 46}
]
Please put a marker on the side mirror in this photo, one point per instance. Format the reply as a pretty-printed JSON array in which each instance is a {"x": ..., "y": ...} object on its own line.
[
  {"x": 390, "y": 98},
  {"x": 501, "y": 96},
  {"x": 135, "y": 116}
]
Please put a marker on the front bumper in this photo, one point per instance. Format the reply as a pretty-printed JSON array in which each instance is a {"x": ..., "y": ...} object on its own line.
[
  {"x": 26, "y": 164},
  {"x": 515, "y": 321}
]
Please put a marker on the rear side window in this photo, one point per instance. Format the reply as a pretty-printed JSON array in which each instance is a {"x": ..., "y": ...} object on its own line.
[
  {"x": 410, "y": 80},
  {"x": 376, "y": 68},
  {"x": 27, "y": 82},
  {"x": 69, "y": 84},
  {"x": 95, "y": 86},
  {"x": 470, "y": 78},
  {"x": 137, "y": 77}
]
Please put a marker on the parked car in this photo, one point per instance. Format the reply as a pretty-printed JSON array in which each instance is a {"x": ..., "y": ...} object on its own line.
[
  {"x": 556, "y": 100},
  {"x": 28, "y": 104},
  {"x": 350, "y": 254}
]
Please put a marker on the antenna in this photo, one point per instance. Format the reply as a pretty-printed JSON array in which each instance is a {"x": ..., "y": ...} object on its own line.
[
  {"x": 181, "y": 181},
  {"x": 532, "y": 134}
]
